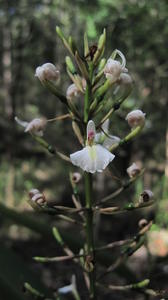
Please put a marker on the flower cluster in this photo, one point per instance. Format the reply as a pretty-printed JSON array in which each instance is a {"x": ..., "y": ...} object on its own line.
[{"x": 90, "y": 108}]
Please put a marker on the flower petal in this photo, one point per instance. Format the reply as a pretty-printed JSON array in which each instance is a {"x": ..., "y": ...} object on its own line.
[
  {"x": 105, "y": 125},
  {"x": 92, "y": 158},
  {"x": 91, "y": 130},
  {"x": 20, "y": 122},
  {"x": 111, "y": 140},
  {"x": 66, "y": 289}
]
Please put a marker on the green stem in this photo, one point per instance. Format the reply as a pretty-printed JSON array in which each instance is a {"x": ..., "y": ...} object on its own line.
[
  {"x": 89, "y": 232},
  {"x": 88, "y": 94},
  {"x": 88, "y": 196}
]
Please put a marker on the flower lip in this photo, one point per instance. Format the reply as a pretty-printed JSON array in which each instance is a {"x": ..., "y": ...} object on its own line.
[{"x": 92, "y": 158}]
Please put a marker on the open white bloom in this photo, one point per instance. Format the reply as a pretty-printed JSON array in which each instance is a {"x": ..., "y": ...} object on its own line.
[
  {"x": 36, "y": 126},
  {"x": 94, "y": 157},
  {"x": 133, "y": 170},
  {"x": 47, "y": 72},
  {"x": 72, "y": 92},
  {"x": 104, "y": 138},
  {"x": 113, "y": 68},
  {"x": 71, "y": 288},
  {"x": 136, "y": 118}
]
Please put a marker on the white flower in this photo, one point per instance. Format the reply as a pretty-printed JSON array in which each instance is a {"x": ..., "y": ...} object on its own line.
[
  {"x": 136, "y": 118},
  {"x": 71, "y": 288},
  {"x": 133, "y": 170},
  {"x": 47, "y": 72},
  {"x": 104, "y": 138},
  {"x": 36, "y": 126},
  {"x": 114, "y": 68},
  {"x": 94, "y": 157},
  {"x": 72, "y": 92}
]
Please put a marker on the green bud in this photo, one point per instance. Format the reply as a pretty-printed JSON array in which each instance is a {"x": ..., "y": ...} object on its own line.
[
  {"x": 101, "y": 46},
  {"x": 114, "y": 53},
  {"x": 33, "y": 291},
  {"x": 81, "y": 66},
  {"x": 63, "y": 39},
  {"x": 141, "y": 285},
  {"x": 70, "y": 65},
  {"x": 86, "y": 45},
  {"x": 100, "y": 70},
  {"x": 57, "y": 236},
  {"x": 72, "y": 44},
  {"x": 101, "y": 64}
]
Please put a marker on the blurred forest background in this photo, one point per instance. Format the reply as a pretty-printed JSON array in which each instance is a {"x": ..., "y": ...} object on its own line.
[{"x": 28, "y": 39}]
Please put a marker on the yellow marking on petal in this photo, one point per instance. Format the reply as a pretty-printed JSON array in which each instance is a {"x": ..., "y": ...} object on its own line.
[{"x": 92, "y": 152}]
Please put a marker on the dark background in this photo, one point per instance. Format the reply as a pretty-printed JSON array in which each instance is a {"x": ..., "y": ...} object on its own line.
[{"x": 28, "y": 39}]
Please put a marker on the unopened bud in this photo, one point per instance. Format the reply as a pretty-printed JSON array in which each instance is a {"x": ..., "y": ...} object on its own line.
[
  {"x": 112, "y": 70},
  {"x": 142, "y": 223},
  {"x": 88, "y": 265},
  {"x": 37, "y": 197},
  {"x": 136, "y": 118},
  {"x": 70, "y": 65},
  {"x": 76, "y": 177},
  {"x": 146, "y": 196},
  {"x": 72, "y": 92},
  {"x": 47, "y": 72},
  {"x": 133, "y": 170}
]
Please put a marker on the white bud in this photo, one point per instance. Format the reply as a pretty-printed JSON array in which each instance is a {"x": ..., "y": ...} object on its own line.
[
  {"x": 133, "y": 170},
  {"x": 47, "y": 72},
  {"x": 146, "y": 196},
  {"x": 136, "y": 118},
  {"x": 76, "y": 177},
  {"x": 36, "y": 196},
  {"x": 72, "y": 92},
  {"x": 142, "y": 223}
]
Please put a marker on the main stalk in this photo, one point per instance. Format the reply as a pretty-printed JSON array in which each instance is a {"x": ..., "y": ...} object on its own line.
[
  {"x": 89, "y": 199},
  {"x": 90, "y": 235}
]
